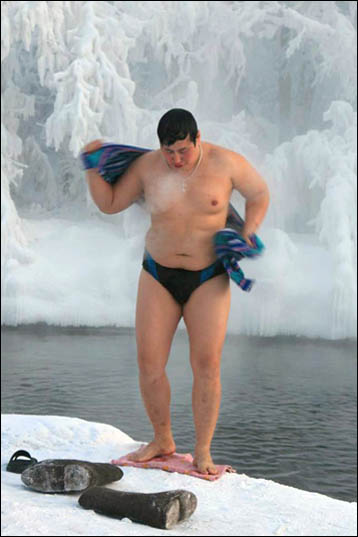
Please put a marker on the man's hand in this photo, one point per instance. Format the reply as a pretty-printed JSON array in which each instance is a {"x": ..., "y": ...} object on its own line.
[
  {"x": 246, "y": 233},
  {"x": 92, "y": 146}
]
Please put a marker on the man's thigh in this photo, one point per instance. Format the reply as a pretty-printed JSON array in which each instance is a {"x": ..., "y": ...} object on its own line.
[
  {"x": 157, "y": 317},
  {"x": 206, "y": 314}
]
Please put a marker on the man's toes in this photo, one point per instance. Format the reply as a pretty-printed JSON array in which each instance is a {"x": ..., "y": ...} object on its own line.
[
  {"x": 212, "y": 470},
  {"x": 206, "y": 467},
  {"x": 203, "y": 470}
]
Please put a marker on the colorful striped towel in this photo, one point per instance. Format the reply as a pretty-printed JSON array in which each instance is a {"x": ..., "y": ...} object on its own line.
[
  {"x": 112, "y": 160},
  {"x": 230, "y": 247}
]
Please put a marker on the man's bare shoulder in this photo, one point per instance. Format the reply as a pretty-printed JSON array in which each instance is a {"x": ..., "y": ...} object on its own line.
[
  {"x": 147, "y": 161},
  {"x": 243, "y": 176},
  {"x": 223, "y": 155},
  {"x": 149, "y": 156}
]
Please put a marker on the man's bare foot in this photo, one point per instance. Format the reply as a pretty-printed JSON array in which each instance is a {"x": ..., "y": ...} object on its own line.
[
  {"x": 151, "y": 450},
  {"x": 204, "y": 464}
]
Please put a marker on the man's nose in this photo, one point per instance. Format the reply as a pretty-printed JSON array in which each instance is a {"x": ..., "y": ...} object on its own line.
[{"x": 176, "y": 158}]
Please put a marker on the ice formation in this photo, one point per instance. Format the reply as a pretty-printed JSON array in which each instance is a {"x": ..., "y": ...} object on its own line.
[{"x": 275, "y": 81}]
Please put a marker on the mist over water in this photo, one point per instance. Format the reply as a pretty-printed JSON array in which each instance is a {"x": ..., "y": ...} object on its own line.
[{"x": 274, "y": 81}]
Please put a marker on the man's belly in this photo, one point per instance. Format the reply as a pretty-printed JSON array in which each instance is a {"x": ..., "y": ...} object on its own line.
[{"x": 177, "y": 249}]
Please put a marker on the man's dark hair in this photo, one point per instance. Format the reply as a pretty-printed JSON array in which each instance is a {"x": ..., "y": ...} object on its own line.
[{"x": 175, "y": 125}]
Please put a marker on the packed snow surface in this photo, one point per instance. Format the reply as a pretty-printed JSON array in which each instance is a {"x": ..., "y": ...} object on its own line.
[{"x": 234, "y": 505}]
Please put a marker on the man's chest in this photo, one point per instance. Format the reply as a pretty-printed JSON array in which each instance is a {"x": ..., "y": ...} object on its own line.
[{"x": 202, "y": 194}]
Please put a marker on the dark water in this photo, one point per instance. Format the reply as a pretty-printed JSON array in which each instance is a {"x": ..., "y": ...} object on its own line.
[{"x": 288, "y": 409}]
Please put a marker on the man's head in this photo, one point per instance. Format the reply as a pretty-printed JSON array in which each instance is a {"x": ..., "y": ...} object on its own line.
[
  {"x": 178, "y": 134},
  {"x": 177, "y": 124}
]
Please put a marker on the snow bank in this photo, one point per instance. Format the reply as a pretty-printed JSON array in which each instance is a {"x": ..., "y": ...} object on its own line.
[{"x": 234, "y": 505}]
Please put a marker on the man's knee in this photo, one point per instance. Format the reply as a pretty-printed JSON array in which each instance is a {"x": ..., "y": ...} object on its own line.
[
  {"x": 150, "y": 369},
  {"x": 206, "y": 364}
]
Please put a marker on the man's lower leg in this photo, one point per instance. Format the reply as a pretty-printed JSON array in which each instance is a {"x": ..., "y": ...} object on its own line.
[
  {"x": 206, "y": 405},
  {"x": 156, "y": 396}
]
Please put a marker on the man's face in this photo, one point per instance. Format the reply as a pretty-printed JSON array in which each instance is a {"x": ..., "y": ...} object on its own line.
[{"x": 183, "y": 154}]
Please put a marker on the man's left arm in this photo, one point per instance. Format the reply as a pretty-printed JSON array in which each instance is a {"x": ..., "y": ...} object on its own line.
[{"x": 253, "y": 188}]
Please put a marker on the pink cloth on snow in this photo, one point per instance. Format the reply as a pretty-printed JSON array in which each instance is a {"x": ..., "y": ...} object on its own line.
[{"x": 176, "y": 462}]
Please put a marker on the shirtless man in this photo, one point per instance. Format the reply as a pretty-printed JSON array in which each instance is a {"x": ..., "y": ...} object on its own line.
[{"x": 187, "y": 185}]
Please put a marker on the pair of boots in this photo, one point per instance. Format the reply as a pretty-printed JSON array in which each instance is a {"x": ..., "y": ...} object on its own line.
[{"x": 161, "y": 510}]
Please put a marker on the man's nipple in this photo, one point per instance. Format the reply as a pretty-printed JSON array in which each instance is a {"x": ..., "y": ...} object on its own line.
[{"x": 214, "y": 202}]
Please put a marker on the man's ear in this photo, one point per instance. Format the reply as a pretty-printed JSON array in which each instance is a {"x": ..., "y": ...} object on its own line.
[{"x": 198, "y": 137}]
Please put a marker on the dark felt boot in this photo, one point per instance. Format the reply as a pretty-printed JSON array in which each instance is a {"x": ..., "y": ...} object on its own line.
[
  {"x": 160, "y": 509},
  {"x": 69, "y": 475}
]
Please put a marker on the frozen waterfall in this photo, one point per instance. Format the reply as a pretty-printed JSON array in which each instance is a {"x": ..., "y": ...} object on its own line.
[{"x": 275, "y": 81}]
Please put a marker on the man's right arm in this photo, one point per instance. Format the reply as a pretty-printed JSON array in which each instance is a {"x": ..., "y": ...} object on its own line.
[
  {"x": 101, "y": 191},
  {"x": 112, "y": 199}
]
